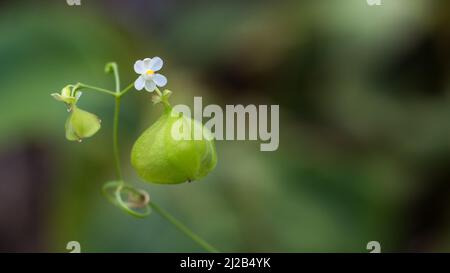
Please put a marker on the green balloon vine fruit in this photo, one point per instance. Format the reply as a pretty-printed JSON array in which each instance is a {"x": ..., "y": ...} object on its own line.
[
  {"x": 168, "y": 152},
  {"x": 81, "y": 124}
]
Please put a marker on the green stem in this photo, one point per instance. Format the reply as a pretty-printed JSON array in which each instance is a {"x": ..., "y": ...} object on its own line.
[
  {"x": 116, "y": 138},
  {"x": 106, "y": 91},
  {"x": 116, "y": 77},
  {"x": 113, "y": 66},
  {"x": 158, "y": 91},
  {"x": 182, "y": 228},
  {"x": 128, "y": 88}
]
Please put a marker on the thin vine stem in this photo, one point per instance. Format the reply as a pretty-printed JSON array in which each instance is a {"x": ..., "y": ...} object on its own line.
[
  {"x": 158, "y": 91},
  {"x": 95, "y": 88},
  {"x": 182, "y": 228},
  {"x": 116, "y": 138},
  {"x": 115, "y": 71},
  {"x": 116, "y": 77},
  {"x": 128, "y": 88}
]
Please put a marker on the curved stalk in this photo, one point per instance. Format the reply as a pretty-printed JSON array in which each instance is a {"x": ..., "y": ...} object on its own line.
[{"x": 183, "y": 229}]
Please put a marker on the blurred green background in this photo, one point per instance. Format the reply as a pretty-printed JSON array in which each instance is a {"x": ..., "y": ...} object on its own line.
[{"x": 364, "y": 95}]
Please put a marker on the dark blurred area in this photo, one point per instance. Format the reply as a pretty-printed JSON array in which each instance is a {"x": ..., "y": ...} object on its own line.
[{"x": 364, "y": 95}]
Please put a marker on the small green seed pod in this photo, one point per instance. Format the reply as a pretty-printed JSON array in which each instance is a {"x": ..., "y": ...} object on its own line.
[
  {"x": 169, "y": 153},
  {"x": 81, "y": 124}
]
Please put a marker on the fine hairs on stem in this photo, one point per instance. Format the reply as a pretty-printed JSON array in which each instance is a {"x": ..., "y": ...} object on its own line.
[{"x": 115, "y": 190}]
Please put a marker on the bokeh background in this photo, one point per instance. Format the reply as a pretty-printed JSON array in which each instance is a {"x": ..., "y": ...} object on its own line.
[{"x": 364, "y": 95}]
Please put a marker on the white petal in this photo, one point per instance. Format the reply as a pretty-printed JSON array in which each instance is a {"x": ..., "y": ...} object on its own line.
[
  {"x": 147, "y": 64},
  {"x": 156, "y": 63},
  {"x": 139, "y": 83},
  {"x": 150, "y": 86},
  {"x": 160, "y": 80},
  {"x": 139, "y": 67}
]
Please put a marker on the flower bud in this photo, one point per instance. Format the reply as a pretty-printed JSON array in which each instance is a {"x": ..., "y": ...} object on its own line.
[
  {"x": 81, "y": 124},
  {"x": 67, "y": 95},
  {"x": 169, "y": 153}
]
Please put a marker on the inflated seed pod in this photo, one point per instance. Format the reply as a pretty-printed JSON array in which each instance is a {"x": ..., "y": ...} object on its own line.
[
  {"x": 81, "y": 124},
  {"x": 169, "y": 153}
]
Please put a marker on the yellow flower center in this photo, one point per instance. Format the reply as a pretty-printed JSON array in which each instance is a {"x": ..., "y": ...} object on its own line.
[{"x": 150, "y": 72}]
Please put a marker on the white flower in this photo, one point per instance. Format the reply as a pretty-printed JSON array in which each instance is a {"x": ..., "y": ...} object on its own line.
[{"x": 148, "y": 78}]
